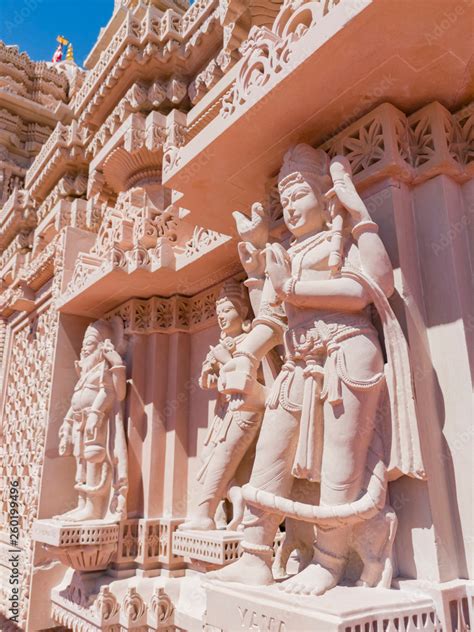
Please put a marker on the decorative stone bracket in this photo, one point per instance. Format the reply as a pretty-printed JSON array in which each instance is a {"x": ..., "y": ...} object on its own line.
[{"x": 85, "y": 547}]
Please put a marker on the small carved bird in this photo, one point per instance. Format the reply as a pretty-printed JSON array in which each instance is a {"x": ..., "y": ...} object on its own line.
[{"x": 256, "y": 229}]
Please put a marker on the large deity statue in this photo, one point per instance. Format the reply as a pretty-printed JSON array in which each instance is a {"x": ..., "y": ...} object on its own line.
[
  {"x": 230, "y": 442},
  {"x": 93, "y": 429},
  {"x": 325, "y": 418}
]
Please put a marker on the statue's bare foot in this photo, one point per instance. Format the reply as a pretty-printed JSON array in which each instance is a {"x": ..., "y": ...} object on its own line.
[
  {"x": 198, "y": 524},
  {"x": 86, "y": 513},
  {"x": 313, "y": 580},
  {"x": 250, "y": 569},
  {"x": 69, "y": 515}
]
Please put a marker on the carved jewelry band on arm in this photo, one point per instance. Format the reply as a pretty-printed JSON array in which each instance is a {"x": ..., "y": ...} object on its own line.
[
  {"x": 365, "y": 226},
  {"x": 115, "y": 367},
  {"x": 289, "y": 287}
]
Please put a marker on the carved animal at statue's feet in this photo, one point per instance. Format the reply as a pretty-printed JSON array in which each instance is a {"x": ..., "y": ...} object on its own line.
[
  {"x": 373, "y": 541},
  {"x": 299, "y": 536}
]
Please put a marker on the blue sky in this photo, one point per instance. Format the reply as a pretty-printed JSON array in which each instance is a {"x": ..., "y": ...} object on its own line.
[{"x": 35, "y": 24}]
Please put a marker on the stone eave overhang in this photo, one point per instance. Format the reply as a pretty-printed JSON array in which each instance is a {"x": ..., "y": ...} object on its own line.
[
  {"x": 107, "y": 33},
  {"x": 99, "y": 285},
  {"x": 35, "y": 112},
  {"x": 63, "y": 150},
  {"x": 139, "y": 54},
  {"x": 105, "y": 36},
  {"x": 228, "y": 163}
]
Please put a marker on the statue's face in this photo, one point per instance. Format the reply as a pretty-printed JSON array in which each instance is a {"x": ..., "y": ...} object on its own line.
[
  {"x": 89, "y": 345},
  {"x": 302, "y": 209},
  {"x": 230, "y": 321}
]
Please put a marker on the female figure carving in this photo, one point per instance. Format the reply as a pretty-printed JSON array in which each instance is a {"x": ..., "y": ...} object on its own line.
[
  {"x": 228, "y": 454},
  {"x": 321, "y": 422}
]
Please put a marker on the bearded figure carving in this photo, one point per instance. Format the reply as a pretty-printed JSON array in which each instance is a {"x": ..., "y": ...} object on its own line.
[
  {"x": 93, "y": 429},
  {"x": 325, "y": 418}
]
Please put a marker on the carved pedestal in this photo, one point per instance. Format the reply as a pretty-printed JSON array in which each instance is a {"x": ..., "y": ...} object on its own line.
[
  {"x": 208, "y": 550},
  {"x": 344, "y": 609},
  {"x": 86, "y": 547}
]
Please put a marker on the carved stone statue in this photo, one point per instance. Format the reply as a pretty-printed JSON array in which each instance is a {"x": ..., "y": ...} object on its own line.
[
  {"x": 325, "y": 419},
  {"x": 93, "y": 429},
  {"x": 230, "y": 442}
]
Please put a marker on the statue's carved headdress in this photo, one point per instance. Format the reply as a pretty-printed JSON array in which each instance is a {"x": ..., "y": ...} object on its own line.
[
  {"x": 112, "y": 330},
  {"x": 100, "y": 329},
  {"x": 236, "y": 293},
  {"x": 302, "y": 163}
]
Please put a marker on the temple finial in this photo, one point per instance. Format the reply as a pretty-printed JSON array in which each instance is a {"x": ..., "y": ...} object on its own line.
[{"x": 70, "y": 53}]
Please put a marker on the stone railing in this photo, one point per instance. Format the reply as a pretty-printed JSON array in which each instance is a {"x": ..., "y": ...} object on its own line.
[
  {"x": 195, "y": 15},
  {"x": 127, "y": 34}
]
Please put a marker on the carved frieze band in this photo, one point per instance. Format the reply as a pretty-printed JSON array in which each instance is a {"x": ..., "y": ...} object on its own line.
[{"x": 168, "y": 315}]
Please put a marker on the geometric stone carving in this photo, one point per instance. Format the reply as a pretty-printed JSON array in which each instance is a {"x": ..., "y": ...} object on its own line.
[
  {"x": 155, "y": 544},
  {"x": 177, "y": 313},
  {"x": 28, "y": 383},
  {"x": 87, "y": 547},
  {"x": 212, "y": 549},
  {"x": 183, "y": 113},
  {"x": 147, "y": 544},
  {"x": 54, "y": 533},
  {"x": 215, "y": 548}
]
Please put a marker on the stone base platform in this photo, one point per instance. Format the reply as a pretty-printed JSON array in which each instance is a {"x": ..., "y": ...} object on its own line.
[
  {"x": 213, "y": 548},
  {"x": 208, "y": 550},
  {"x": 343, "y": 609},
  {"x": 85, "y": 546}
]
